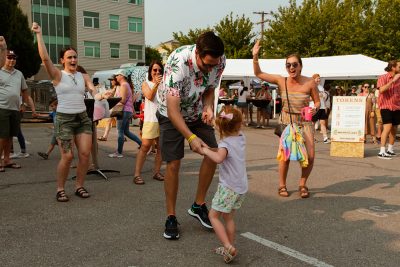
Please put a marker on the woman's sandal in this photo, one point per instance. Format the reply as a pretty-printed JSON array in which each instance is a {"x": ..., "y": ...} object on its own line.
[
  {"x": 158, "y": 176},
  {"x": 82, "y": 192},
  {"x": 282, "y": 191},
  {"x": 62, "y": 196},
  {"x": 303, "y": 191},
  {"x": 102, "y": 138},
  {"x": 138, "y": 180},
  {"x": 229, "y": 254}
]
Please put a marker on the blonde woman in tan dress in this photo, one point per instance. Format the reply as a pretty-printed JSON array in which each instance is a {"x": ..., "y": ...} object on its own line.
[{"x": 299, "y": 88}]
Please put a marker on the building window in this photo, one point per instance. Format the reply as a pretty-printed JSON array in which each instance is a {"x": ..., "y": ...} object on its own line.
[
  {"x": 135, "y": 2},
  {"x": 135, "y": 52},
  {"x": 92, "y": 49},
  {"x": 135, "y": 24},
  {"x": 90, "y": 19},
  {"x": 114, "y": 22},
  {"x": 114, "y": 50}
]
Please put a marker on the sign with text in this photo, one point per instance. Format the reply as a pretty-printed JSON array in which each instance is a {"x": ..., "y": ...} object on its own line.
[{"x": 348, "y": 118}]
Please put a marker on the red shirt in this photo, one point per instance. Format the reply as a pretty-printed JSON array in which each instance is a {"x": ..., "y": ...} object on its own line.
[{"x": 390, "y": 99}]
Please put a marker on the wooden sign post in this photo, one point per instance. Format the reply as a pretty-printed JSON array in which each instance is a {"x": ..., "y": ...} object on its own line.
[{"x": 348, "y": 126}]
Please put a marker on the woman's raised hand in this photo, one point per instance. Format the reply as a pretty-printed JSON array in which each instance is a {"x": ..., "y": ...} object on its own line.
[
  {"x": 256, "y": 48},
  {"x": 36, "y": 28}
]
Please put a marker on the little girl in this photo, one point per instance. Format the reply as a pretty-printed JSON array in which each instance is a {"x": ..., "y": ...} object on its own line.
[{"x": 232, "y": 179}]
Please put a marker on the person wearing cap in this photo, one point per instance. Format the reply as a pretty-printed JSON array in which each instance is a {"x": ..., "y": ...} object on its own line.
[
  {"x": 125, "y": 91},
  {"x": 353, "y": 91},
  {"x": 109, "y": 121},
  {"x": 186, "y": 111},
  {"x": 13, "y": 86},
  {"x": 72, "y": 122},
  {"x": 389, "y": 103}
]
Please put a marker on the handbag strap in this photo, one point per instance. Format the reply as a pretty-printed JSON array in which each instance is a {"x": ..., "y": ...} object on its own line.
[{"x": 287, "y": 97}]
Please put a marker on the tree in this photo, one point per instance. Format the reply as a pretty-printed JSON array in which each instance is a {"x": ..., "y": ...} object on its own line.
[
  {"x": 191, "y": 37},
  {"x": 15, "y": 28},
  {"x": 152, "y": 54},
  {"x": 335, "y": 27},
  {"x": 236, "y": 35}
]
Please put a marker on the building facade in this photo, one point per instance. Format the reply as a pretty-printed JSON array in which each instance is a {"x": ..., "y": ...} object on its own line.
[{"x": 106, "y": 33}]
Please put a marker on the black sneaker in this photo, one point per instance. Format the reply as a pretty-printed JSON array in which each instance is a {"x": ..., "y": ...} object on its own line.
[
  {"x": 390, "y": 153},
  {"x": 201, "y": 213},
  {"x": 171, "y": 228},
  {"x": 384, "y": 156}
]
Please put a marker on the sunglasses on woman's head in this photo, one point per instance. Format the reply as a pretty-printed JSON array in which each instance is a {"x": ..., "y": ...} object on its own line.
[
  {"x": 294, "y": 65},
  {"x": 11, "y": 57}
]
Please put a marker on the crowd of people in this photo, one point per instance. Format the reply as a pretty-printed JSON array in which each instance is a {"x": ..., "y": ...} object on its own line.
[{"x": 178, "y": 106}]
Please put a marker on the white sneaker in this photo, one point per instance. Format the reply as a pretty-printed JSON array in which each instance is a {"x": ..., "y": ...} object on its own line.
[
  {"x": 391, "y": 153},
  {"x": 116, "y": 155},
  {"x": 327, "y": 141},
  {"x": 14, "y": 155},
  {"x": 21, "y": 155}
]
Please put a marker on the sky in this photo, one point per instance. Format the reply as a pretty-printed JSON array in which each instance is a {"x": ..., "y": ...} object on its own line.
[{"x": 163, "y": 17}]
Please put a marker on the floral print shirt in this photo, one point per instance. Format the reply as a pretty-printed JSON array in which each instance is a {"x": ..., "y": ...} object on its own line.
[{"x": 183, "y": 79}]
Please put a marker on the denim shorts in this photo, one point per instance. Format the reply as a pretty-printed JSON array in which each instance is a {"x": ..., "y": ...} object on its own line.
[
  {"x": 172, "y": 142},
  {"x": 69, "y": 125},
  {"x": 225, "y": 200},
  {"x": 10, "y": 123}
]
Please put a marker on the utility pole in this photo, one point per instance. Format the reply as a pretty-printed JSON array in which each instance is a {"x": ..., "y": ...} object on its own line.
[{"x": 263, "y": 20}]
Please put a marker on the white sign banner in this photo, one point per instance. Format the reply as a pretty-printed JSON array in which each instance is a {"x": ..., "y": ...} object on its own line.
[{"x": 348, "y": 118}]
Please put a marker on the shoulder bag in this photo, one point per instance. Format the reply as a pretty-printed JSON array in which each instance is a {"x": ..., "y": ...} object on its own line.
[{"x": 280, "y": 127}]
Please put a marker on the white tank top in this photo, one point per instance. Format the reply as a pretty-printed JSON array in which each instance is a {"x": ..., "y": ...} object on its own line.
[
  {"x": 71, "y": 93},
  {"x": 150, "y": 106}
]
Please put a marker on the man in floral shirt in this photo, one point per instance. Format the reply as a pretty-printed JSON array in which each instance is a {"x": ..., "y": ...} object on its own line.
[{"x": 186, "y": 111}]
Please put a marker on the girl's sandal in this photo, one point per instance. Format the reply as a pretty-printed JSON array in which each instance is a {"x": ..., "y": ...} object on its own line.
[
  {"x": 138, "y": 180},
  {"x": 282, "y": 191},
  {"x": 82, "y": 192},
  {"x": 303, "y": 191},
  {"x": 229, "y": 254},
  {"x": 62, "y": 196}
]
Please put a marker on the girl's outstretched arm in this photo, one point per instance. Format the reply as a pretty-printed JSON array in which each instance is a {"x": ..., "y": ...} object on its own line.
[{"x": 217, "y": 156}]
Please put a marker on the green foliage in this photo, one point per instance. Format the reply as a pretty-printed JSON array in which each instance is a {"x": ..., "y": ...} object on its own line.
[
  {"x": 191, "y": 37},
  {"x": 235, "y": 32},
  {"x": 335, "y": 27},
  {"x": 236, "y": 35},
  {"x": 151, "y": 54},
  {"x": 15, "y": 28}
]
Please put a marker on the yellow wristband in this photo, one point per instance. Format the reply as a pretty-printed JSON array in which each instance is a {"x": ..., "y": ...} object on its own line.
[{"x": 191, "y": 138}]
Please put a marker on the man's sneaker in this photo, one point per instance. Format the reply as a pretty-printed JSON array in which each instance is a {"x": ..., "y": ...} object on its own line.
[
  {"x": 200, "y": 213},
  {"x": 171, "y": 228},
  {"x": 21, "y": 155},
  {"x": 384, "y": 156},
  {"x": 43, "y": 155},
  {"x": 327, "y": 141},
  {"x": 390, "y": 153},
  {"x": 116, "y": 155}
]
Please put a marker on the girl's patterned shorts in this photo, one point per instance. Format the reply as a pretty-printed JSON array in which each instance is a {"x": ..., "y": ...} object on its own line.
[{"x": 225, "y": 200}]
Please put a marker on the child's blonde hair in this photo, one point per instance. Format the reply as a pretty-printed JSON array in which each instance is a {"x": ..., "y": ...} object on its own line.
[{"x": 228, "y": 121}]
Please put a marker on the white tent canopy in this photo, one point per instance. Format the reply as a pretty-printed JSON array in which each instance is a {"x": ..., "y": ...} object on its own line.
[{"x": 349, "y": 67}]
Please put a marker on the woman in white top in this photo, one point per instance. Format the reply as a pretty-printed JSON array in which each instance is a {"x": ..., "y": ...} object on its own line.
[
  {"x": 151, "y": 128},
  {"x": 72, "y": 122},
  {"x": 242, "y": 102}
]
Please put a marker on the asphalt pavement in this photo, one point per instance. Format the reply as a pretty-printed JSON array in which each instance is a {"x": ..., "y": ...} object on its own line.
[{"x": 351, "y": 218}]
